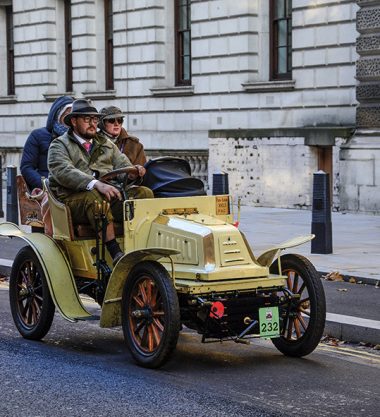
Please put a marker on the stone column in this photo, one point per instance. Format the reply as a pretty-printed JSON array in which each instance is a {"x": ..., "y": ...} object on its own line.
[
  {"x": 368, "y": 65},
  {"x": 360, "y": 158}
]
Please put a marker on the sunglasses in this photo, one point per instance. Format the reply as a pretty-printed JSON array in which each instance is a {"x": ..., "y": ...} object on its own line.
[{"x": 113, "y": 120}]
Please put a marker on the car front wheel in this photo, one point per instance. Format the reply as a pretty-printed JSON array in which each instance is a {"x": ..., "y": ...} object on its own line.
[{"x": 302, "y": 319}]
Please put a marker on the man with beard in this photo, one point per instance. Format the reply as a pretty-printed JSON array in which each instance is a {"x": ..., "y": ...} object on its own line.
[{"x": 76, "y": 159}]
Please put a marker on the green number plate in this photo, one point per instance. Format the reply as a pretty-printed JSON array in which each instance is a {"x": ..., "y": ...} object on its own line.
[{"x": 269, "y": 323}]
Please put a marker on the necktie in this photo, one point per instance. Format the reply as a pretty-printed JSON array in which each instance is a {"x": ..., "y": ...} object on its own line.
[{"x": 87, "y": 146}]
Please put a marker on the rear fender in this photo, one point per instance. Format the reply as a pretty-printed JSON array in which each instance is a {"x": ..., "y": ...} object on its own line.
[
  {"x": 267, "y": 257},
  {"x": 111, "y": 309},
  {"x": 57, "y": 270}
]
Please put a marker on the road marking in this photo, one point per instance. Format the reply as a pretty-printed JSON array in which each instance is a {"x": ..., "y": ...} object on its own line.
[
  {"x": 346, "y": 349},
  {"x": 350, "y": 352}
]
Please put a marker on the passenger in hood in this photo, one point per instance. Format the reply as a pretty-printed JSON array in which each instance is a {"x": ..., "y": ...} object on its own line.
[{"x": 34, "y": 157}]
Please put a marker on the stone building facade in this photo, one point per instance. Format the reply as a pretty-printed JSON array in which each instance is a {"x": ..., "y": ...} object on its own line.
[
  {"x": 230, "y": 114},
  {"x": 361, "y": 155}
]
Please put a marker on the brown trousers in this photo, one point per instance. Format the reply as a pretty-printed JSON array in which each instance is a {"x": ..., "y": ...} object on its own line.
[{"x": 82, "y": 205}]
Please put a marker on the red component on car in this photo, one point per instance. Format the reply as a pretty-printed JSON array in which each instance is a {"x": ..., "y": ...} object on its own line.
[{"x": 217, "y": 310}]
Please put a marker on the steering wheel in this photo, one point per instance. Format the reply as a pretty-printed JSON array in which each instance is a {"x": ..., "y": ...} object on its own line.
[
  {"x": 116, "y": 172},
  {"x": 123, "y": 182}
]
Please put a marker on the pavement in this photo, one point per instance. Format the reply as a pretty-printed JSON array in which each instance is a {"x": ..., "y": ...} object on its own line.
[{"x": 350, "y": 274}]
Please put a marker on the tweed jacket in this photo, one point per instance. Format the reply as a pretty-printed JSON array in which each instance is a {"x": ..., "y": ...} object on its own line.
[
  {"x": 71, "y": 168},
  {"x": 130, "y": 146}
]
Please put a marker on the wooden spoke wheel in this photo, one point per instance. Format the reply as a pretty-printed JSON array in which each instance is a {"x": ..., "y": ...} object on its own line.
[
  {"x": 302, "y": 320},
  {"x": 151, "y": 317},
  {"x": 31, "y": 304}
]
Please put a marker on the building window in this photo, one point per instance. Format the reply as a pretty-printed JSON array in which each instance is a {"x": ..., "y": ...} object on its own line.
[
  {"x": 183, "y": 42},
  {"x": 68, "y": 46},
  {"x": 108, "y": 31},
  {"x": 281, "y": 39},
  {"x": 10, "y": 50}
]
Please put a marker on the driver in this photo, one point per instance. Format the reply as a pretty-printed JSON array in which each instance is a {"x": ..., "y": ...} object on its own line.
[{"x": 80, "y": 156}]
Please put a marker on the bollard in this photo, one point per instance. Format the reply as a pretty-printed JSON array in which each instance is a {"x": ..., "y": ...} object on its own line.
[
  {"x": 220, "y": 183},
  {"x": 321, "y": 215},
  {"x": 1, "y": 188},
  {"x": 12, "y": 208}
]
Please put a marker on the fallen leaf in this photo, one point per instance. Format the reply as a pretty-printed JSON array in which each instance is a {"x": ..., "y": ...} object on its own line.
[
  {"x": 324, "y": 338},
  {"x": 334, "y": 276},
  {"x": 342, "y": 289},
  {"x": 377, "y": 347},
  {"x": 352, "y": 280},
  {"x": 331, "y": 341}
]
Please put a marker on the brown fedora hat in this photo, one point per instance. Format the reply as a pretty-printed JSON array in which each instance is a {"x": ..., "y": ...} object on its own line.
[
  {"x": 80, "y": 107},
  {"x": 110, "y": 112}
]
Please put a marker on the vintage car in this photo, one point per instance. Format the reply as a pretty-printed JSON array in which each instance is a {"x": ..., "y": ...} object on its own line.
[{"x": 186, "y": 263}]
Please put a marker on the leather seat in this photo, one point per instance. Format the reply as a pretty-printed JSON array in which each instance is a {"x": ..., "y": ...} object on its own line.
[{"x": 62, "y": 225}]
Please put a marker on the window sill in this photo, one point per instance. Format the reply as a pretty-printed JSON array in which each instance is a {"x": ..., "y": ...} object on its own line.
[
  {"x": 54, "y": 96},
  {"x": 94, "y": 95},
  {"x": 8, "y": 99},
  {"x": 187, "y": 90},
  {"x": 269, "y": 86}
]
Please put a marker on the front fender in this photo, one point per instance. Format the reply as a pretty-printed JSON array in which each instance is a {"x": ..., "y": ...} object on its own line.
[
  {"x": 111, "y": 309},
  {"x": 57, "y": 271},
  {"x": 267, "y": 257}
]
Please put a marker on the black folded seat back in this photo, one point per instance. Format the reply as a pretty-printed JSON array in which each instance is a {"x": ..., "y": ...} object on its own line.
[{"x": 171, "y": 177}]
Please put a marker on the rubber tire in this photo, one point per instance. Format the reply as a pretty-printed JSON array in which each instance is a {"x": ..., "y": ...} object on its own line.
[
  {"x": 47, "y": 307},
  {"x": 156, "y": 272},
  {"x": 312, "y": 336}
]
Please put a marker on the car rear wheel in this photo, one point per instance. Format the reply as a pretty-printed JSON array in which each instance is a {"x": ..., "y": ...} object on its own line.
[
  {"x": 150, "y": 314},
  {"x": 31, "y": 305},
  {"x": 302, "y": 320}
]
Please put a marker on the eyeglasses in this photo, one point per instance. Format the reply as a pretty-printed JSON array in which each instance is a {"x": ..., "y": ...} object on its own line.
[
  {"x": 119, "y": 120},
  {"x": 88, "y": 119}
]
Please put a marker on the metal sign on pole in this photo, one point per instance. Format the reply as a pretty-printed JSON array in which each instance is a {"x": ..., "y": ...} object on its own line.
[
  {"x": 321, "y": 216},
  {"x": 1, "y": 188},
  {"x": 12, "y": 208},
  {"x": 220, "y": 183}
]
